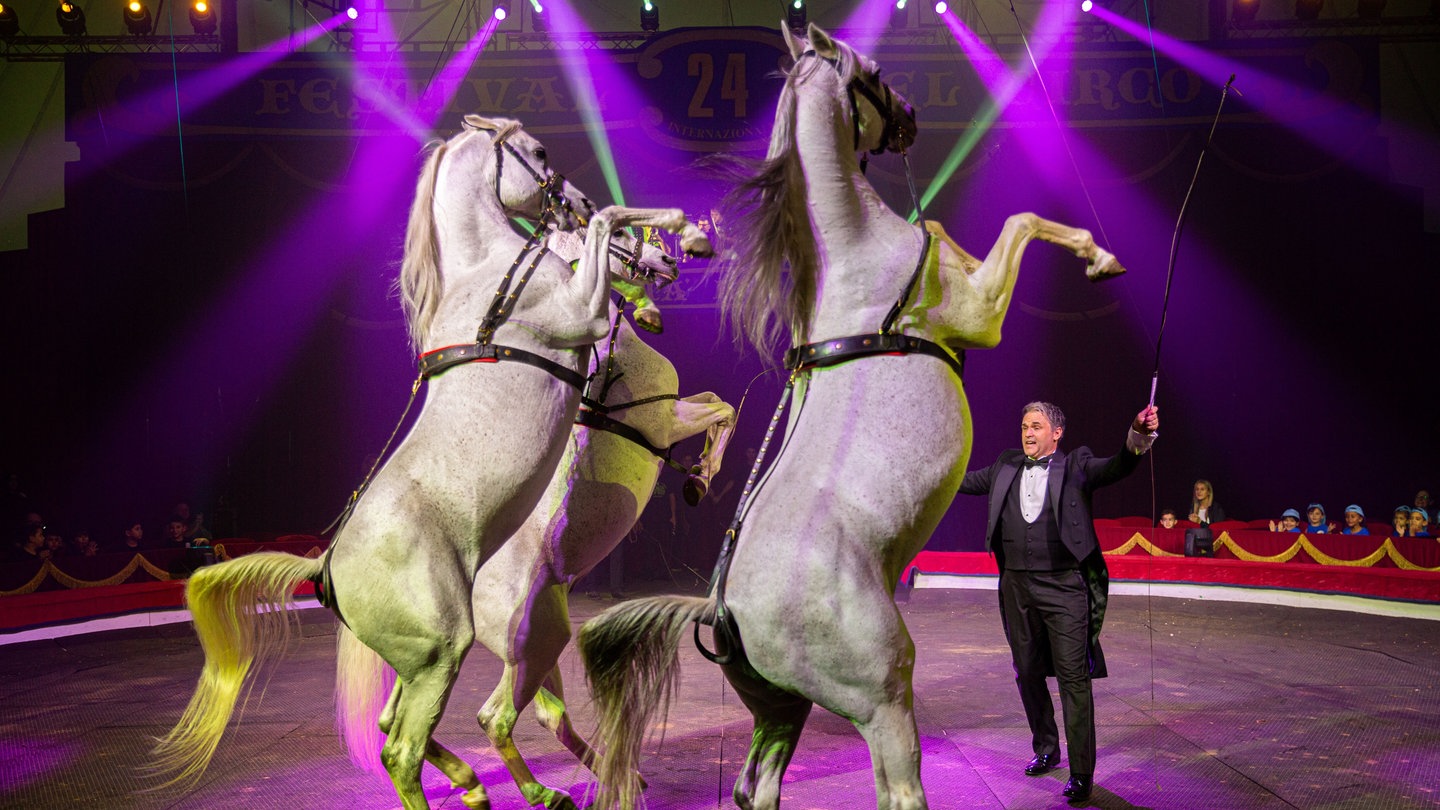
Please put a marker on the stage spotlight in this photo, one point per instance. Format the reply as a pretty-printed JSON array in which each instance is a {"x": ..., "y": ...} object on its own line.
[
  {"x": 941, "y": 7},
  {"x": 795, "y": 14},
  {"x": 202, "y": 18},
  {"x": 71, "y": 19},
  {"x": 1370, "y": 9},
  {"x": 899, "y": 5},
  {"x": 1308, "y": 9},
  {"x": 502, "y": 10},
  {"x": 649, "y": 17},
  {"x": 1244, "y": 11},
  {"x": 1086, "y": 6},
  {"x": 352, "y": 12},
  {"x": 137, "y": 18},
  {"x": 9, "y": 22}
]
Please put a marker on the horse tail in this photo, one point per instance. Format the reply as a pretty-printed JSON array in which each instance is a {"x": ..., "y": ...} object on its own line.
[
  {"x": 363, "y": 681},
  {"x": 632, "y": 663},
  {"x": 243, "y": 612}
]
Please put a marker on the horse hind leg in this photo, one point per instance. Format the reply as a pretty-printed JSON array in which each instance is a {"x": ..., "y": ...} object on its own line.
[
  {"x": 497, "y": 717},
  {"x": 551, "y": 713},
  {"x": 778, "y": 723},
  {"x": 894, "y": 751},
  {"x": 461, "y": 775},
  {"x": 409, "y": 722}
]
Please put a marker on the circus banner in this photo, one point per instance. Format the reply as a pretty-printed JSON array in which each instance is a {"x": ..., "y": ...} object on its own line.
[{"x": 693, "y": 90}]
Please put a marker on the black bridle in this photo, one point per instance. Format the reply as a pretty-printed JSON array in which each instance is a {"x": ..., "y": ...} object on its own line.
[{"x": 884, "y": 106}]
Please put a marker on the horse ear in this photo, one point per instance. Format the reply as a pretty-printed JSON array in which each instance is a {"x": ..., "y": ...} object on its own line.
[
  {"x": 821, "y": 42},
  {"x": 481, "y": 122},
  {"x": 795, "y": 45}
]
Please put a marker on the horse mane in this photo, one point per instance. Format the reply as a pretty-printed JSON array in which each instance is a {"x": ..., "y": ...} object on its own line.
[
  {"x": 768, "y": 283},
  {"x": 420, "y": 284}
]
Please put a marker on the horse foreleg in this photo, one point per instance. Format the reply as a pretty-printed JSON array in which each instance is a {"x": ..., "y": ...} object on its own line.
[
  {"x": 1020, "y": 229},
  {"x": 717, "y": 438},
  {"x": 716, "y": 417}
]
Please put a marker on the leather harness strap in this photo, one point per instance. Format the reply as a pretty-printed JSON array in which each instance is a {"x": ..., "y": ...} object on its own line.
[
  {"x": 838, "y": 350},
  {"x": 441, "y": 360},
  {"x": 886, "y": 341},
  {"x": 599, "y": 421}
]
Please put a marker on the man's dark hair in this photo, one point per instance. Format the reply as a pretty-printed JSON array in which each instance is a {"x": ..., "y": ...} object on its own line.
[{"x": 1052, "y": 413}]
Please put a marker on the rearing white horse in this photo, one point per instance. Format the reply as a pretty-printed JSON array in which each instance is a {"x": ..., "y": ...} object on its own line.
[
  {"x": 876, "y": 446},
  {"x": 630, "y": 418},
  {"x": 400, "y": 572}
]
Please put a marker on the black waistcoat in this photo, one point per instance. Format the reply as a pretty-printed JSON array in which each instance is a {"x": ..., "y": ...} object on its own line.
[{"x": 1029, "y": 546}]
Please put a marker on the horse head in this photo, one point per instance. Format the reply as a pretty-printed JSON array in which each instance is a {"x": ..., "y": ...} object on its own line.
[
  {"x": 636, "y": 263},
  {"x": 881, "y": 119},
  {"x": 496, "y": 153},
  {"x": 655, "y": 267}
]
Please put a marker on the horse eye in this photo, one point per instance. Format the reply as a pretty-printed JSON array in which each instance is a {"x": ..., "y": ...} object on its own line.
[{"x": 540, "y": 155}]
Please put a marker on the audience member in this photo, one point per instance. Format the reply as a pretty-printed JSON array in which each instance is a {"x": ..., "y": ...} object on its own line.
[
  {"x": 1424, "y": 501},
  {"x": 1401, "y": 521},
  {"x": 194, "y": 524},
  {"x": 1419, "y": 522},
  {"x": 1203, "y": 509},
  {"x": 83, "y": 546},
  {"x": 1315, "y": 514},
  {"x": 1168, "y": 519},
  {"x": 1354, "y": 520},
  {"x": 1289, "y": 522},
  {"x": 134, "y": 539},
  {"x": 56, "y": 544},
  {"x": 33, "y": 544},
  {"x": 175, "y": 531}
]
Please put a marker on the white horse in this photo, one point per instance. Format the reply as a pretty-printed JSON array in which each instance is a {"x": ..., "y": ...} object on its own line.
[
  {"x": 400, "y": 572},
  {"x": 875, "y": 448},
  {"x": 602, "y": 484}
]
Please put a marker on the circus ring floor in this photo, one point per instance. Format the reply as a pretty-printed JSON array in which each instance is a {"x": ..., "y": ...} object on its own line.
[{"x": 1210, "y": 704}]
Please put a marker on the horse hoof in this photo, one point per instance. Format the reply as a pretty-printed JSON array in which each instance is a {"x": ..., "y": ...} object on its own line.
[
  {"x": 695, "y": 488},
  {"x": 695, "y": 242},
  {"x": 476, "y": 799},
  {"x": 1103, "y": 265},
  {"x": 649, "y": 320}
]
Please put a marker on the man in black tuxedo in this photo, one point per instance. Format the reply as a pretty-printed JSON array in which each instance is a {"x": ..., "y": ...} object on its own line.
[{"x": 1053, "y": 580}]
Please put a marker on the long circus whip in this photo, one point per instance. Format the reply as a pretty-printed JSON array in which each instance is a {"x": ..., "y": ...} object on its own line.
[{"x": 1175, "y": 241}]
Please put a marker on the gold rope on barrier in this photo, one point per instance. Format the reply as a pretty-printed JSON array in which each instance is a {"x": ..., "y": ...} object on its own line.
[
  {"x": 1229, "y": 542},
  {"x": 1140, "y": 540},
  {"x": 34, "y": 582},
  {"x": 1302, "y": 543}
]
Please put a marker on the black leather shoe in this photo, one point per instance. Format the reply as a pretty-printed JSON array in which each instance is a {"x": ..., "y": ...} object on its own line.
[
  {"x": 1041, "y": 764},
  {"x": 1078, "y": 788}
]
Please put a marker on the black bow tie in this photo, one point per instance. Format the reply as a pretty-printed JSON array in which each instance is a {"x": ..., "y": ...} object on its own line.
[{"x": 1036, "y": 462}]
